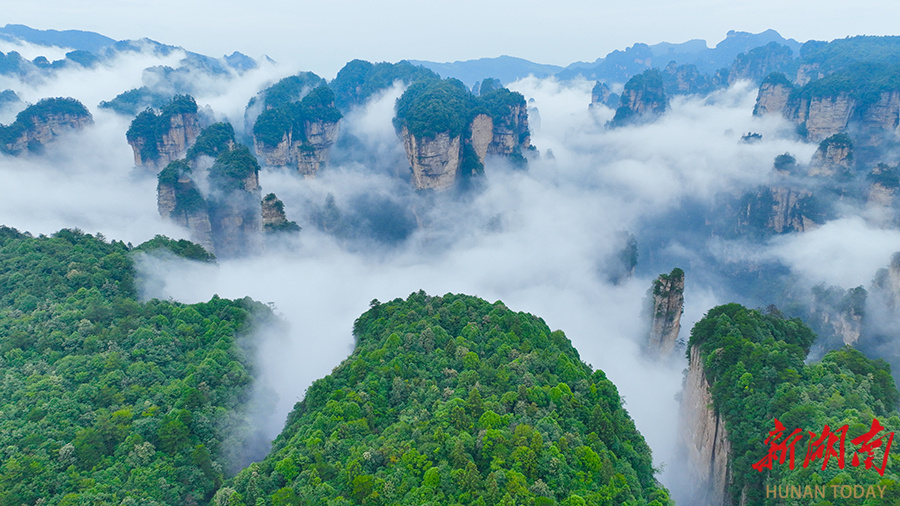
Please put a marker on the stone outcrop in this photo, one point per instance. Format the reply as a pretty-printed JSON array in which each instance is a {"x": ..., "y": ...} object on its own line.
[
  {"x": 643, "y": 99},
  {"x": 39, "y": 124},
  {"x": 602, "y": 95},
  {"x": 825, "y": 116},
  {"x": 482, "y": 129},
  {"x": 179, "y": 200},
  {"x": 219, "y": 202},
  {"x": 773, "y": 97},
  {"x": 273, "y": 216},
  {"x": 838, "y": 312},
  {"x": 510, "y": 132},
  {"x": 705, "y": 439},
  {"x": 435, "y": 162},
  {"x": 685, "y": 80},
  {"x": 665, "y": 305},
  {"x": 808, "y": 72},
  {"x": 833, "y": 157},
  {"x": 308, "y": 152},
  {"x": 760, "y": 62},
  {"x": 881, "y": 195},
  {"x": 887, "y": 283},
  {"x": 787, "y": 211},
  {"x": 159, "y": 138}
]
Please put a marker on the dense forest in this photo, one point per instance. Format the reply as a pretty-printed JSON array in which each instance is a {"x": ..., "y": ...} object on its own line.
[
  {"x": 454, "y": 400},
  {"x": 755, "y": 365},
  {"x": 107, "y": 400}
]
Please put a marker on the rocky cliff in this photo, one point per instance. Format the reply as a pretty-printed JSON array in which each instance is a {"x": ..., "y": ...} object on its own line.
[
  {"x": 834, "y": 157},
  {"x": 774, "y": 95},
  {"x": 435, "y": 161},
  {"x": 705, "y": 439},
  {"x": 643, "y": 99},
  {"x": 39, "y": 124},
  {"x": 666, "y": 304},
  {"x": 881, "y": 195},
  {"x": 158, "y": 138},
  {"x": 274, "y": 219},
  {"x": 838, "y": 314},
  {"x": 759, "y": 62},
  {"x": 215, "y": 194},
  {"x": 179, "y": 200},
  {"x": 447, "y": 132},
  {"x": 887, "y": 283},
  {"x": 298, "y": 134},
  {"x": 685, "y": 80}
]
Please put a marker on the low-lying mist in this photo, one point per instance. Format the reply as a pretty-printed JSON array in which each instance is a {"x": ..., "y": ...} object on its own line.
[{"x": 540, "y": 239}]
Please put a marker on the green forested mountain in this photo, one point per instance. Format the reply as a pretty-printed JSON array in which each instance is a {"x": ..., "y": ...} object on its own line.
[
  {"x": 454, "y": 400},
  {"x": 754, "y": 363},
  {"x": 107, "y": 400}
]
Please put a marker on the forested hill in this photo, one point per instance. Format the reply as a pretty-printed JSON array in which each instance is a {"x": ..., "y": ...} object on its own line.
[
  {"x": 754, "y": 363},
  {"x": 454, "y": 400},
  {"x": 106, "y": 400}
]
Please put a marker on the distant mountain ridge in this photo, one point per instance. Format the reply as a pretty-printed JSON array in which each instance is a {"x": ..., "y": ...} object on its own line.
[
  {"x": 75, "y": 39},
  {"x": 505, "y": 68}
]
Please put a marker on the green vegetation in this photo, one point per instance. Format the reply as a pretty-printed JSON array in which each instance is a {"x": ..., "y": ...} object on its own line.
[
  {"x": 212, "y": 141},
  {"x": 290, "y": 89},
  {"x": 777, "y": 79},
  {"x": 181, "y": 247},
  {"x": 39, "y": 112},
  {"x": 754, "y": 363},
  {"x": 131, "y": 102},
  {"x": 149, "y": 127},
  {"x": 430, "y": 107},
  {"x": 838, "y": 141},
  {"x": 842, "y": 53},
  {"x": 232, "y": 168},
  {"x": 454, "y": 400},
  {"x": 649, "y": 89},
  {"x": 885, "y": 175},
  {"x": 188, "y": 199},
  {"x": 863, "y": 82},
  {"x": 659, "y": 284},
  {"x": 290, "y": 118},
  {"x": 107, "y": 400},
  {"x": 434, "y": 106},
  {"x": 278, "y": 205},
  {"x": 359, "y": 80}
]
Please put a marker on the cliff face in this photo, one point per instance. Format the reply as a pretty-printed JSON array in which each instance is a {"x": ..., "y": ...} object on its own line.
[
  {"x": 482, "y": 129},
  {"x": 435, "y": 162},
  {"x": 772, "y": 98},
  {"x": 156, "y": 148},
  {"x": 41, "y": 123},
  {"x": 833, "y": 157},
  {"x": 643, "y": 99},
  {"x": 705, "y": 439},
  {"x": 787, "y": 211},
  {"x": 760, "y": 62},
  {"x": 666, "y": 306},
  {"x": 826, "y": 116},
  {"x": 307, "y": 152},
  {"x": 273, "y": 216},
  {"x": 236, "y": 217},
  {"x": 179, "y": 200},
  {"x": 510, "y": 132}
]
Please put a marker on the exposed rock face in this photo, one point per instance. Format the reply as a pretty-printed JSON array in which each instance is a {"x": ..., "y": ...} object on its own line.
[
  {"x": 643, "y": 99},
  {"x": 482, "y": 129},
  {"x": 787, "y": 211},
  {"x": 179, "y": 200},
  {"x": 685, "y": 80},
  {"x": 881, "y": 195},
  {"x": 705, "y": 438},
  {"x": 666, "y": 306},
  {"x": 511, "y": 133},
  {"x": 760, "y": 62},
  {"x": 826, "y": 116},
  {"x": 174, "y": 143},
  {"x": 839, "y": 312},
  {"x": 808, "y": 72},
  {"x": 834, "y": 157},
  {"x": 235, "y": 214},
  {"x": 601, "y": 94},
  {"x": 307, "y": 152},
  {"x": 158, "y": 139},
  {"x": 887, "y": 283},
  {"x": 273, "y": 217},
  {"x": 880, "y": 120},
  {"x": 435, "y": 162},
  {"x": 773, "y": 96},
  {"x": 39, "y": 124}
]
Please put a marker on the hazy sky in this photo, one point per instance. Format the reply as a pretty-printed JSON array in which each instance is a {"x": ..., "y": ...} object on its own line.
[{"x": 323, "y": 35}]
